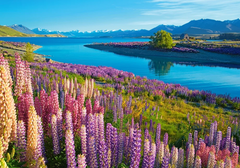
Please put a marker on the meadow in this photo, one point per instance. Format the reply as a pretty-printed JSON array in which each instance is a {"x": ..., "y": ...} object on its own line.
[{"x": 67, "y": 115}]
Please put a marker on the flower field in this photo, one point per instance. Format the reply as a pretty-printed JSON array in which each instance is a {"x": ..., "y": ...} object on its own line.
[
  {"x": 67, "y": 115},
  {"x": 146, "y": 45}
]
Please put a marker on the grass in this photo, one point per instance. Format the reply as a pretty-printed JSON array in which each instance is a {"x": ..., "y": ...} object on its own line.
[{"x": 7, "y": 31}]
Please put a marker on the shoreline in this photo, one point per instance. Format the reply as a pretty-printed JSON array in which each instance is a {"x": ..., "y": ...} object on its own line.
[{"x": 203, "y": 58}]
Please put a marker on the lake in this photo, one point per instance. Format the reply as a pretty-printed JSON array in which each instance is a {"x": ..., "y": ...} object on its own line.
[{"x": 71, "y": 50}]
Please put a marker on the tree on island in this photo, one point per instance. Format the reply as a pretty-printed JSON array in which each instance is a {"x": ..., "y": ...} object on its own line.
[
  {"x": 29, "y": 56},
  {"x": 162, "y": 39}
]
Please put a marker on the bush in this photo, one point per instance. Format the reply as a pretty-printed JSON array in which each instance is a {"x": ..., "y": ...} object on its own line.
[
  {"x": 162, "y": 39},
  {"x": 29, "y": 56}
]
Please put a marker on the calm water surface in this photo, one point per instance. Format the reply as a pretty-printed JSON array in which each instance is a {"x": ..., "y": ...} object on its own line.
[{"x": 71, "y": 50}]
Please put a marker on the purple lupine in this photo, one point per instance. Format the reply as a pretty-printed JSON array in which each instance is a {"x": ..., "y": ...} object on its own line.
[
  {"x": 218, "y": 141},
  {"x": 41, "y": 148},
  {"x": 145, "y": 151},
  {"x": 181, "y": 158},
  {"x": 96, "y": 131},
  {"x": 121, "y": 147},
  {"x": 197, "y": 163},
  {"x": 190, "y": 159},
  {"x": 158, "y": 132},
  {"x": 109, "y": 158},
  {"x": 136, "y": 149},
  {"x": 165, "y": 139},
  {"x": 103, "y": 154},
  {"x": 195, "y": 139},
  {"x": 81, "y": 161},
  {"x": 146, "y": 134},
  {"x": 84, "y": 116},
  {"x": 83, "y": 135},
  {"x": 149, "y": 160},
  {"x": 215, "y": 132},
  {"x": 70, "y": 149},
  {"x": 165, "y": 162},
  {"x": 55, "y": 138},
  {"x": 211, "y": 160},
  {"x": 211, "y": 134},
  {"x": 151, "y": 126},
  {"x": 114, "y": 146},
  {"x": 91, "y": 125},
  {"x": 21, "y": 140},
  {"x": 108, "y": 135},
  {"x": 92, "y": 153},
  {"x": 114, "y": 113}
]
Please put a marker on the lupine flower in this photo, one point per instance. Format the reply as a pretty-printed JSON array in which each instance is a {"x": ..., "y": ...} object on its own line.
[
  {"x": 70, "y": 149},
  {"x": 121, "y": 143},
  {"x": 55, "y": 138},
  {"x": 21, "y": 140},
  {"x": 158, "y": 132},
  {"x": 220, "y": 164},
  {"x": 211, "y": 160},
  {"x": 145, "y": 151},
  {"x": 114, "y": 146},
  {"x": 83, "y": 135},
  {"x": 32, "y": 136},
  {"x": 190, "y": 160},
  {"x": 103, "y": 160},
  {"x": 165, "y": 139},
  {"x": 197, "y": 163},
  {"x": 40, "y": 145},
  {"x": 174, "y": 158},
  {"x": 181, "y": 158},
  {"x": 228, "y": 163},
  {"x": 81, "y": 161},
  {"x": 59, "y": 124},
  {"x": 136, "y": 149},
  {"x": 165, "y": 162},
  {"x": 92, "y": 153}
]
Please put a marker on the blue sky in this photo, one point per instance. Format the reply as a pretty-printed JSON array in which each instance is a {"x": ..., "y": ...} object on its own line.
[{"x": 89, "y": 15}]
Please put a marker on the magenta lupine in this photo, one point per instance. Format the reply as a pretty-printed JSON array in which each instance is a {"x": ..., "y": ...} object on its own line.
[
  {"x": 136, "y": 149},
  {"x": 95, "y": 106},
  {"x": 75, "y": 115},
  {"x": 55, "y": 102},
  {"x": 211, "y": 160},
  {"x": 145, "y": 152},
  {"x": 21, "y": 140},
  {"x": 37, "y": 105},
  {"x": 55, "y": 138},
  {"x": 103, "y": 161},
  {"x": 20, "y": 75},
  {"x": 92, "y": 153},
  {"x": 60, "y": 124},
  {"x": 181, "y": 158},
  {"x": 89, "y": 106},
  {"x": 81, "y": 161},
  {"x": 114, "y": 146},
  {"x": 83, "y": 135},
  {"x": 121, "y": 143},
  {"x": 70, "y": 149},
  {"x": 191, "y": 154},
  {"x": 197, "y": 163}
]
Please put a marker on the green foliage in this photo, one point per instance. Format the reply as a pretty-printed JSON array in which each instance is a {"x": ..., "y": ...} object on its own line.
[
  {"x": 162, "y": 39},
  {"x": 29, "y": 56}
]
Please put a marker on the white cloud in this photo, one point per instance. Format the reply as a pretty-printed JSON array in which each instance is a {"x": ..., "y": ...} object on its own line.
[{"x": 176, "y": 11}]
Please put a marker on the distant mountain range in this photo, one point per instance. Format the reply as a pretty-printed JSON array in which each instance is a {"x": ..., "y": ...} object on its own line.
[{"x": 202, "y": 26}]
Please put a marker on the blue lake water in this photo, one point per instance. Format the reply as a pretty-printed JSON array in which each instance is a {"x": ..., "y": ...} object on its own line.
[{"x": 71, "y": 50}]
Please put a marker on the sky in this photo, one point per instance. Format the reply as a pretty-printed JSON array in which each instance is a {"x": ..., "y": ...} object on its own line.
[{"x": 90, "y": 15}]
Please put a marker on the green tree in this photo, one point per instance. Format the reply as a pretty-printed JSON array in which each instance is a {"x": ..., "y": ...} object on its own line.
[
  {"x": 162, "y": 39},
  {"x": 29, "y": 56}
]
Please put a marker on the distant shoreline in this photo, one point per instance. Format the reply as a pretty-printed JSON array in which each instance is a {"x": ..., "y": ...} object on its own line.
[{"x": 203, "y": 58}]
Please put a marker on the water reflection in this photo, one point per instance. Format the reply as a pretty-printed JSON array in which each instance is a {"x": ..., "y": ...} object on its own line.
[{"x": 159, "y": 67}]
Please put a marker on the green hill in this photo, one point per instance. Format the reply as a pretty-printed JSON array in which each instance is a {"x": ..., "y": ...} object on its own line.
[{"x": 8, "y": 32}]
